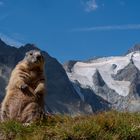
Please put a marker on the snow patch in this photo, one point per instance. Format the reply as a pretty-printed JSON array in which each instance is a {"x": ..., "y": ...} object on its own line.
[
  {"x": 10, "y": 41},
  {"x": 83, "y": 73},
  {"x": 136, "y": 59}
]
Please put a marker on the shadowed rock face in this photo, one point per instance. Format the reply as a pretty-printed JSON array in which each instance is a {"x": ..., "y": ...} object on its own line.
[
  {"x": 61, "y": 96},
  {"x": 130, "y": 73},
  {"x": 133, "y": 49},
  {"x": 69, "y": 65}
]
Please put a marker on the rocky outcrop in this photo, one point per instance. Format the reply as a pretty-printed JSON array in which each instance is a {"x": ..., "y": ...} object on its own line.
[{"x": 134, "y": 49}]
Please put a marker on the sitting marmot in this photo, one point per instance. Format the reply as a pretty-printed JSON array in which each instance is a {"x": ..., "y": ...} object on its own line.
[{"x": 24, "y": 100}]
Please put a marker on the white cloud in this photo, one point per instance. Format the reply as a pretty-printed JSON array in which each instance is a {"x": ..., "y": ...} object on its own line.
[
  {"x": 91, "y": 5},
  {"x": 10, "y": 41},
  {"x": 109, "y": 28}
]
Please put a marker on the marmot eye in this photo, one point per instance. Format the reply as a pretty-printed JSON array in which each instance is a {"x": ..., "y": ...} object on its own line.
[{"x": 31, "y": 53}]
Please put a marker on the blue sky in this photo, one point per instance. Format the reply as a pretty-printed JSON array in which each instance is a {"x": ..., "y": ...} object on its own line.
[{"x": 72, "y": 29}]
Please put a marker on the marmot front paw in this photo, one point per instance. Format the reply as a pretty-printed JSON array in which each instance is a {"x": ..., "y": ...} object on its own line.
[{"x": 24, "y": 87}]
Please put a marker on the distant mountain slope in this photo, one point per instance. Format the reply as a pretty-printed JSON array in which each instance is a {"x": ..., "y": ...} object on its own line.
[{"x": 114, "y": 80}]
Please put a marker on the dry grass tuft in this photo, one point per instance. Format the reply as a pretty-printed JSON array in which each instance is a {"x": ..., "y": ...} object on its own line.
[{"x": 103, "y": 126}]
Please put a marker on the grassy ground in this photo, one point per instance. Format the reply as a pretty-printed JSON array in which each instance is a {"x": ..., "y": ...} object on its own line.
[{"x": 104, "y": 126}]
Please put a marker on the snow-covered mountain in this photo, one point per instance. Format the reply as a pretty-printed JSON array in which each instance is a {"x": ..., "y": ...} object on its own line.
[{"x": 108, "y": 82}]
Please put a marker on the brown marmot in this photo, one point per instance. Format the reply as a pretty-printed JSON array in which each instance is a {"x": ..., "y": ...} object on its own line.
[{"x": 24, "y": 99}]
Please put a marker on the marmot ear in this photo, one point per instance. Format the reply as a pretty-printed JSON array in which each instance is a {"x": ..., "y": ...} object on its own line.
[
  {"x": 30, "y": 52},
  {"x": 26, "y": 53}
]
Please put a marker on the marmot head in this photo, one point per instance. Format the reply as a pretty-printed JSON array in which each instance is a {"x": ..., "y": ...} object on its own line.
[{"x": 34, "y": 59}]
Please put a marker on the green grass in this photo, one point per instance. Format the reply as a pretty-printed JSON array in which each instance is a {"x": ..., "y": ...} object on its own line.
[{"x": 103, "y": 126}]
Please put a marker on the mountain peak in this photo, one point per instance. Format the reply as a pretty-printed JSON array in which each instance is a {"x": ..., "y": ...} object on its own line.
[
  {"x": 28, "y": 47},
  {"x": 10, "y": 41},
  {"x": 136, "y": 47},
  {"x": 4, "y": 47},
  {"x": 2, "y": 43}
]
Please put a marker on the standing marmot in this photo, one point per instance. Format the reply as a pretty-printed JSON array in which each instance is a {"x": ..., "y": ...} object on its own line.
[{"x": 24, "y": 100}]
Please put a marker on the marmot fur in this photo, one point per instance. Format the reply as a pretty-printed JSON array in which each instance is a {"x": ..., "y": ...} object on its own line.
[{"x": 24, "y": 99}]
